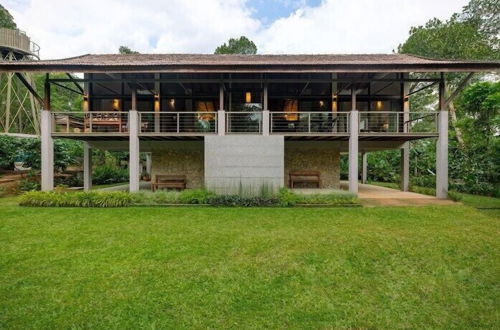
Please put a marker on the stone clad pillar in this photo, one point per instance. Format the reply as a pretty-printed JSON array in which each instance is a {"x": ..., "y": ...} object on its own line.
[
  {"x": 47, "y": 151},
  {"x": 87, "y": 167}
]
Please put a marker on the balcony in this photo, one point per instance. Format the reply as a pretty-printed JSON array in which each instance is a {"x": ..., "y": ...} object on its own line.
[{"x": 373, "y": 125}]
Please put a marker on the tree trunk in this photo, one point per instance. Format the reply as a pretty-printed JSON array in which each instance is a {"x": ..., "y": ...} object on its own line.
[{"x": 458, "y": 131}]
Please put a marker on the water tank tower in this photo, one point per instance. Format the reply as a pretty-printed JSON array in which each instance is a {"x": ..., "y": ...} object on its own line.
[{"x": 19, "y": 110}]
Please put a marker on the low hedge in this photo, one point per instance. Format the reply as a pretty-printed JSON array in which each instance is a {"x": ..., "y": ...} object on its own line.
[
  {"x": 284, "y": 198},
  {"x": 76, "y": 199}
]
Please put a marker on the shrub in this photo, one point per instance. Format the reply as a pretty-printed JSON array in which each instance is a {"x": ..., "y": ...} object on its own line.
[
  {"x": 70, "y": 181},
  {"x": 107, "y": 174},
  {"x": 155, "y": 198},
  {"x": 76, "y": 199},
  {"x": 287, "y": 197},
  {"x": 29, "y": 183},
  {"x": 237, "y": 200},
  {"x": 331, "y": 199},
  {"x": 2, "y": 191},
  {"x": 195, "y": 196}
]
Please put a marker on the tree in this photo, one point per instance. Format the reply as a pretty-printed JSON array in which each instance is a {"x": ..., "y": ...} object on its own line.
[
  {"x": 6, "y": 19},
  {"x": 243, "y": 45},
  {"x": 126, "y": 50}
]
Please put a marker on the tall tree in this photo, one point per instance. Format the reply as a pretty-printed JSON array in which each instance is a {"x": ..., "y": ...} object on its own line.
[
  {"x": 466, "y": 35},
  {"x": 126, "y": 50},
  {"x": 242, "y": 45},
  {"x": 6, "y": 19}
]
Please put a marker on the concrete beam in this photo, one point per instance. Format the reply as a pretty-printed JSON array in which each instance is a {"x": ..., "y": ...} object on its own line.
[
  {"x": 87, "y": 166},
  {"x": 134, "y": 161},
  {"x": 405, "y": 167},
  {"x": 47, "y": 151}
]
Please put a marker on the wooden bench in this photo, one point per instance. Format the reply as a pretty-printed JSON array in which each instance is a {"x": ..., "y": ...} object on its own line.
[
  {"x": 295, "y": 177},
  {"x": 169, "y": 182}
]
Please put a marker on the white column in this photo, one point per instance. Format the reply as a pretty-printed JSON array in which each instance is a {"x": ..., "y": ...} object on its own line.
[
  {"x": 353, "y": 151},
  {"x": 221, "y": 122},
  {"x": 364, "y": 175},
  {"x": 134, "y": 161},
  {"x": 47, "y": 151},
  {"x": 148, "y": 163},
  {"x": 442, "y": 156},
  {"x": 87, "y": 167},
  {"x": 405, "y": 167}
]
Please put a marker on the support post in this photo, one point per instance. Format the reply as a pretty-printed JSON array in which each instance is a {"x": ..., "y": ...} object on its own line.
[
  {"x": 221, "y": 122},
  {"x": 364, "y": 173},
  {"x": 442, "y": 145},
  {"x": 405, "y": 167},
  {"x": 134, "y": 161},
  {"x": 47, "y": 151},
  {"x": 87, "y": 167},
  {"x": 157, "y": 103},
  {"x": 353, "y": 151},
  {"x": 149, "y": 156}
]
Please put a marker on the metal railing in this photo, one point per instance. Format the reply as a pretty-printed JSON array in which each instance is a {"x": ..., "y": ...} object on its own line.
[
  {"x": 244, "y": 122},
  {"x": 171, "y": 123},
  {"x": 90, "y": 122},
  {"x": 309, "y": 122},
  {"x": 380, "y": 122}
]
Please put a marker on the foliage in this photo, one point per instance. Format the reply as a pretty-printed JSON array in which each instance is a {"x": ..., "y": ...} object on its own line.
[
  {"x": 69, "y": 181},
  {"x": 337, "y": 198},
  {"x": 195, "y": 196},
  {"x": 126, "y": 50},
  {"x": 2, "y": 191},
  {"x": 66, "y": 152},
  {"x": 287, "y": 197},
  {"x": 29, "y": 183},
  {"x": 375, "y": 268},
  {"x": 160, "y": 197},
  {"x": 61, "y": 99},
  {"x": 106, "y": 174},
  {"x": 242, "y": 45},
  {"x": 6, "y": 19},
  {"x": 76, "y": 199},
  {"x": 242, "y": 201}
]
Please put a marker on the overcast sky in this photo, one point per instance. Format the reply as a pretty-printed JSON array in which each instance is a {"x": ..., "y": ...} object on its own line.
[{"x": 66, "y": 28}]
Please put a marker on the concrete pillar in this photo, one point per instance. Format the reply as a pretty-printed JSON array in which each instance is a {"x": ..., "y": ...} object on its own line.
[
  {"x": 405, "y": 167},
  {"x": 221, "y": 122},
  {"x": 87, "y": 167},
  {"x": 442, "y": 156},
  {"x": 221, "y": 97},
  {"x": 364, "y": 170},
  {"x": 47, "y": 151},
  {"x": 353, "y": 151},
  {"x": 265, "y": 122},
  {"x": 134, "y": 161},
  {"x": 148, "y": 163}
]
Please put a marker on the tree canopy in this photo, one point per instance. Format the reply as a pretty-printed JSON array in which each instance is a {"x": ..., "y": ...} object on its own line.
[
  {"x": 242, "y": 45},
  {"x": 126, "y": 50},
  {"x": 6, "y": 19}
]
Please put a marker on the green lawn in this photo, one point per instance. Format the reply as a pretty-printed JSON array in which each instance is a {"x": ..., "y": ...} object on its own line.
[{"x": 419, "y": 267}]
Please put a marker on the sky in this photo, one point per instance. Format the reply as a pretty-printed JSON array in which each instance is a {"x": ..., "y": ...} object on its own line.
[{"x": 65, "y": 28}]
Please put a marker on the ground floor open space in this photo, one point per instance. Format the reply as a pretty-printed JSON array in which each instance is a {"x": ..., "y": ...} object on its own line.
[{"x": 421, "y": 267}]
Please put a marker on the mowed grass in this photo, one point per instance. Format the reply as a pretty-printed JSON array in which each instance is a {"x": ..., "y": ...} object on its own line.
[{"x": 420, "y": 267}]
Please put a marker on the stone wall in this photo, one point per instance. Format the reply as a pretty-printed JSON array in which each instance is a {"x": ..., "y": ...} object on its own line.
[
  {"x": 183, "y": 158},
  {"x": 322, "y": 156}
]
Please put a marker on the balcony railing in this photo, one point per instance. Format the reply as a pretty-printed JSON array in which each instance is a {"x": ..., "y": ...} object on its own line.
[
  {"x": 309, "y": 123},
  {"x": 172, "y": 123},
  {"x": 90, "y": 122},
  {"x": 382, "y": 122},
  {"x": 245, "y": 122},
  {"x": 280, "y": 123}
]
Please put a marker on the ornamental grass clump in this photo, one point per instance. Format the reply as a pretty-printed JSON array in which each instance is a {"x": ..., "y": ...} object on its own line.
[{"x": 76, "y": 199}]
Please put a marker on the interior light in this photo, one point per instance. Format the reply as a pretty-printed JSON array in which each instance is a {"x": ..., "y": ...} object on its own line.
[{"x": 248, "y": 97}]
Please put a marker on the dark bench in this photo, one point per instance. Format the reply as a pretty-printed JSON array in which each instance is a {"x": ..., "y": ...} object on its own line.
[
  {"x": 169, "y": 182},
  {"x": 295, "y": 177}
]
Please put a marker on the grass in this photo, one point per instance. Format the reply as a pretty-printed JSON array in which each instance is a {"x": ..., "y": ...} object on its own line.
[{"x": 415, "y": 267}]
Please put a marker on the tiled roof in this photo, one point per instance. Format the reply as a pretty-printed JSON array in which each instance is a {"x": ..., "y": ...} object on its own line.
[{"x": 274, "y": 63}]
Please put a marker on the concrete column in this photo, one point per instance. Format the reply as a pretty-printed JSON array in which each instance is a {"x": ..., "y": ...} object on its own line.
[
  {"x": 265, "y": 122},
  {"x": 134, "y": 161},
  {"x": 265, "y": 101},
  {"x": 47, "y": 151},
  {"x": 353, "y": 151},
  {"x": 87, "y": 167},
  {"x": 148, "y": 163},
  {"x": 442, "y": 156},
  {"x": 221, "y": 97},
  {"x": 364, "y": 171},
  {"x": 405, "y": 167},
  {"x": 221, "y": 122}
]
